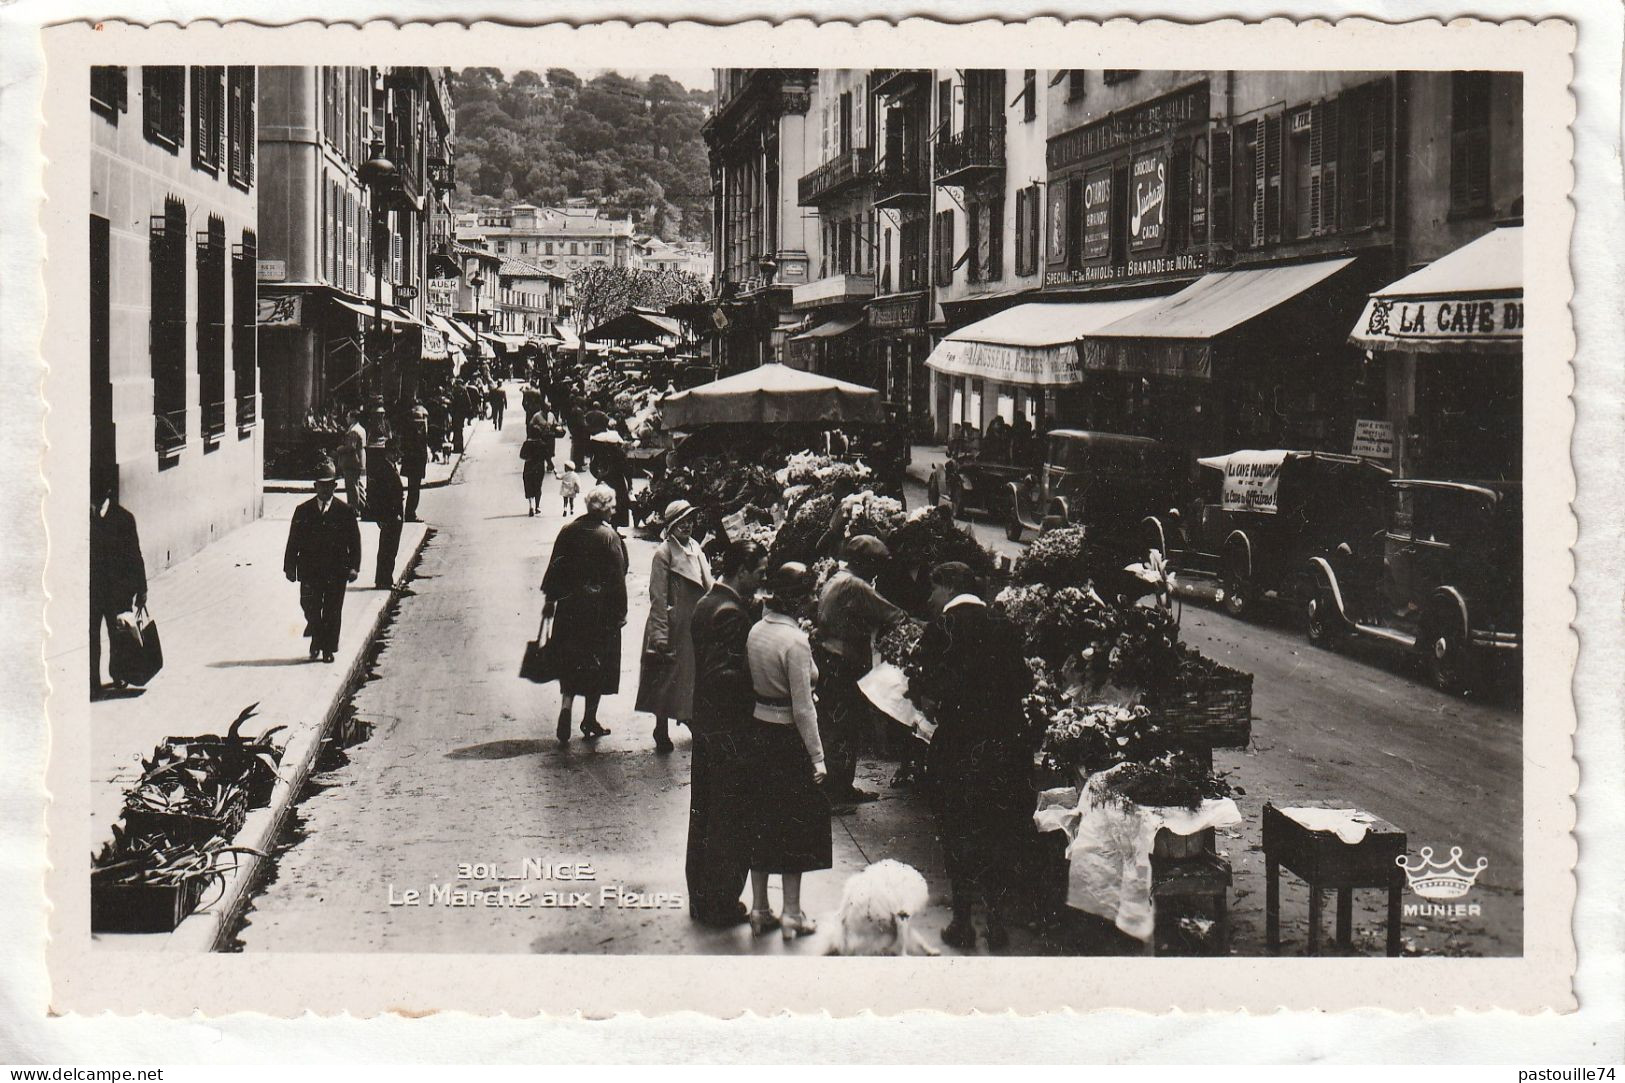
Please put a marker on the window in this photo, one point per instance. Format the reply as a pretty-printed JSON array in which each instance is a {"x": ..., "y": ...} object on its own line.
[
  {"x": 995, "y": 238},
  {"x": 167, "y": 330},
  {"x": 163, "y": 106},
  {"x": 976, "y": 240},
  {"x": 1469, "y": 143},
  {"x": 844, "y": 132},
  {"x": 244, "y": 343},
  {"x": 945, "y": 107},
  {"x": 1075, "y": 85},
  {"x": 945, "y": 248},
  {"x": 502, "y": 248},
  {"x": 109, "y": 91},
  {"x": 524, "y": 248},
  {"x": 1298, "y": 218},
  {"x": 598, "y": 248},
  {"x": 1029, "y": 212},
  {"x": 208, "y": 118},
  {"x": 1113, "y": 76},
  {"x": 549, "y": 247},
  {"x": 885, "y": 261},
  {"x": 242, "y": 137},
  {"x": 1363, "y": 157},
  {"x": 211, "y": 326},
  {"x": 1029, "y": 94},
  {"x": 573, "y": 251},
  {"x": 913, "y": 244}
]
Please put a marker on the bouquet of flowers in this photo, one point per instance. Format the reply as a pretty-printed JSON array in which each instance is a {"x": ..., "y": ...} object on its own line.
[
  {"x": 1098, "y": 736},
  {"x": 798, "y": 537},
  {"x": 1058, "y": 558},
  {"x": 929, "y": 536},
  {"x": 867, "y": 513},
  {"x": 1169, "y": 780},
  {"x": 802, "y": 468},
  {"x": 900, "y": 645}
]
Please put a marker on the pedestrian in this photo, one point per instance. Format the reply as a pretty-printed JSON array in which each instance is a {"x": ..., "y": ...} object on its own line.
[
  {"x": 498, "y": 397},
  {"x": 118, "y": 574},
  {"x": 352, "y": 453},
  {"x": 850, "y": 612},
  {"x": 323, "y": 554},
  {"x": 609, "y": 465},
  {"x": 415, "y": 456},
  {"x": 787, "y": 815},
  {"x": 439, "y": 426},
  {"x": 384, "y": 494},
  {"x": 724, "y": 700},
  {"x": 972, "y": 683},
  {"x": 679, "y": 576},
  {"x": 585, "y": 584},
  {"x": 457, "y": 404},
  {"x": 535, "y": 470},
  {"x": 530, "y": 398},
  {"x": 569, "y": 486}
]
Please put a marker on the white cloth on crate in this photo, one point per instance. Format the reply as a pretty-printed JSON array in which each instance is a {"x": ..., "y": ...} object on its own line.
[
  {"x": 886, "y": 686},
  {"x": 1110, "y": 857},
  {"x": 1348, "y": 824},
  {"x": 1058, "y": 811}
]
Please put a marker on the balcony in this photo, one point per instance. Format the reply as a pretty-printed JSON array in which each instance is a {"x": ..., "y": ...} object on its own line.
[
  {"x": 841, "y": 173},
  {"x": 970, "y": 155},
  {"x": 903, "y": 186},
  {"x": 834, "y": 289},
  {"x": 890, "y": 82}
]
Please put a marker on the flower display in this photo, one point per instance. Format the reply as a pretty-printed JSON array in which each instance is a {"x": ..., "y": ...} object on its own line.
[
  {"x": 867, "y": 513},
  {"x": 1169, "y": 780},
  {"x": 900, "y": 645},
  {"x": 1098, "y": 736},
  {"x": 1057, "y": 558}
]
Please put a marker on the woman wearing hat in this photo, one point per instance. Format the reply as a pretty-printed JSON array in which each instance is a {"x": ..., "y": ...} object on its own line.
[
  {"x": 786, "y": 816},
  {"x": 537, "y": 454},
  {"x": 679, "y": 576}
]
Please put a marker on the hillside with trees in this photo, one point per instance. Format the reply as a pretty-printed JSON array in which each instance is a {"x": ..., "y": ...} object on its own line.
[{"x": 631, "y": 145}]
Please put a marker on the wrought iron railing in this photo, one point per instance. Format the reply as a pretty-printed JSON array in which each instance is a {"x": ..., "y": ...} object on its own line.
[
  {"x": 975, "y": 148},
  {"x": 845, "y": 169}
]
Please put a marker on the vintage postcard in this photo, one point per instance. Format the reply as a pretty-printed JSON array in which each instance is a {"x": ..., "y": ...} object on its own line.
[{"x": 580, "y": 524}]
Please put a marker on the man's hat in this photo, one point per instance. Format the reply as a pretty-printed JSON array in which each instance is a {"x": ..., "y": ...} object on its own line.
[
  {"x": 325, "y": 471},
  {"x": 865, "y": 549}
]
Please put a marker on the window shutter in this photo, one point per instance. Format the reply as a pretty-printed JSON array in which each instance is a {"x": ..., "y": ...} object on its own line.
[
  {"x": 1253, "y": 140},
  {"x": 1272, "y": 168},
  {"x": 251, "y": 138},
  {"x": 1330, "y": 144},
  {"x": 1381, "y": 127},
  {"x": 1220, "y": 174},
  {"x": 1021, "y": 232},
  {"x": 1317, "y": 121},
  {"x": 200, "y": 117},
  {"x": 860, "y": 130},
  {"x": 995, "y": 239},
  {"x": 1179, "y": 198},
  {"x": 235, "y": 126}
]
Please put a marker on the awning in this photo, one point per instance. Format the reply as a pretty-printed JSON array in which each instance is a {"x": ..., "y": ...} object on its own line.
[
  {"x": 1174, "y": 336},
  {"x": 830, "y": 328},
  {"x": 1033, "y": 344},
  {"x": 486, "y": 349},
  {"x": 568, "y": 339},
  {"x": 456, "y": 334},
  {"x": 390, "y": 313},
  {"x": 512, "y": 341},
  {"x": 1470, "y": 301}
]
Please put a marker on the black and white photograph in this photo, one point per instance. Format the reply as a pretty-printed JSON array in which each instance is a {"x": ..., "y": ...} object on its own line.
[{"x": 601, "y": 509}]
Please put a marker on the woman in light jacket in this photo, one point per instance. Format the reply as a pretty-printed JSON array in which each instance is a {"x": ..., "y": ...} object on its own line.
[
  {"x": 787, "y": 817},
  {"x": 679, "y": 576}
]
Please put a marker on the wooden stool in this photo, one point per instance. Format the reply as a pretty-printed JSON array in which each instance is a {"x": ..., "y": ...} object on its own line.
[
  {"x": 1322, "y": 860},
  {"x": 1204, "y": 877}
]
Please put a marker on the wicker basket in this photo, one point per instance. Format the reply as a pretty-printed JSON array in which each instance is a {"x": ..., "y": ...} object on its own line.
[{"x": 1214, "y": 712}]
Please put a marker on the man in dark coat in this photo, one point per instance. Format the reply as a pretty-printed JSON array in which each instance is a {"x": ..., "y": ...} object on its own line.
[
  {"x": 498, "y": 397},
  {"x": 118, "y": 575},
  {"x": 415, "y": 456},
  {"x": 323, "y": 554},
  {"x": 457, "y": 405},
  {"x": 972, "y": 684},
  {"x": 585, "y": 586},
  {"x": 384, "y": 494},
  {"x": 723, "y": 700}
]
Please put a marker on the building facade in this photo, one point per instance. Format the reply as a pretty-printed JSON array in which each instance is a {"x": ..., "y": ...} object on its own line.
[
  {"x": 175, "y": 415},
  {"x": 561, "y": 239}
]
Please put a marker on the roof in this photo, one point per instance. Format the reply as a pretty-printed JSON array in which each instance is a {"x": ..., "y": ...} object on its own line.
[
  {"x": 461, "y": 249},
  {"x": 524, "y": 268},
  {"x": 641, "y": 326}
]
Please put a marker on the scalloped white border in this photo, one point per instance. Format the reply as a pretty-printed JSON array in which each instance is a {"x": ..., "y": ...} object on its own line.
[{"x": 803, "y": 44}]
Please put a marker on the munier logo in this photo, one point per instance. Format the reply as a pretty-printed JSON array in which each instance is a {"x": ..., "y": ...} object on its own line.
[{"x": 1441, "y": 880}]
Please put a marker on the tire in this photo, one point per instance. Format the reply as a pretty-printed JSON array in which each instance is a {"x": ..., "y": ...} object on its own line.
[
  {"x": 1012, "y": 525},
  {"x": 1448, "y": 658},
  {"x": 1320, "y": 623},
  {"x": 1238, "y": 597}
]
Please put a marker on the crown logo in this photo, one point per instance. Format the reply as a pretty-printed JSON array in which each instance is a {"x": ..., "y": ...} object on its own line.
[{"x": 1441, "y": 879}]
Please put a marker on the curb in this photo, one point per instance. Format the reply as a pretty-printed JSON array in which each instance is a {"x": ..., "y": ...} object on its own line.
[
  {"x": 286, "y": 486},
  {"x": 263, "y": 826}
]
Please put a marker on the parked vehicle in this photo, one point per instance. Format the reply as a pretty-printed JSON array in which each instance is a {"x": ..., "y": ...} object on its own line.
[
  {"x": 1104, "y": 481},
  {"x": 1257, "y": 517},
  {"x": 1444, "y": 578}
]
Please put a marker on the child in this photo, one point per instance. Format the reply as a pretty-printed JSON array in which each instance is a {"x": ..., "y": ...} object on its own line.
[{"x": 569, "y": 486}]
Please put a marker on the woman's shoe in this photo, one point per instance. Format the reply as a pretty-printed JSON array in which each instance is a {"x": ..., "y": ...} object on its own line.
[
  {"x": 563, "y": 732},
  {"x": 663, "y": 741},
  {"x": 592, "y": 730},
  {"x": 762, "y": 921},
  {"x": 795, "y": 924},
  {"x": 960, "y": 933}
]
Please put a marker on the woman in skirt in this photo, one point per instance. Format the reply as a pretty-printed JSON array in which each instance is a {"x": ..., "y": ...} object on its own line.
[
  {"x": 538, "y": 461},
  {"x": 787, "y": 828}
]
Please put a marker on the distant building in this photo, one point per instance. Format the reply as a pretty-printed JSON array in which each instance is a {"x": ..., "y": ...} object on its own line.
[
  {"x": 174, "y": 373},
  {"x": 530, "y": 299},
  {"x": 560, "y": 239}
]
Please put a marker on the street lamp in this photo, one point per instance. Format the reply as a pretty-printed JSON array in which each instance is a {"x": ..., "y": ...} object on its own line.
[
  {"x": 378, "y": 174},
  {"x": 478, "y": 282}
]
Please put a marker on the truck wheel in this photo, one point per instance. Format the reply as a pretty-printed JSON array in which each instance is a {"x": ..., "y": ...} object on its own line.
[
  {"x": 1321, "y": 622},
  {"x": 1448, "y": 657},
  {"x": 1012, "y": 525},
  {"x": 1238, "y": 597}
]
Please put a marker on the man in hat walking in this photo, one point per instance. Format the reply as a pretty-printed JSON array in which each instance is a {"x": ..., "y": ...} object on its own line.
[
  {"x": 323, "y": 555},
  {"x": 850, "y": 612},
  {"x": 352, "y": 453},
  {"x": 384, "y": 494}
]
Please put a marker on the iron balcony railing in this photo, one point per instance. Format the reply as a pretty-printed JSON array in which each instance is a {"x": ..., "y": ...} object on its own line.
[
  {"x": 892, "y": 81},
  {"x": 975, "y": 150},
  {"x": 901, "y": 184},
  {"x": 846, "y": 169}
]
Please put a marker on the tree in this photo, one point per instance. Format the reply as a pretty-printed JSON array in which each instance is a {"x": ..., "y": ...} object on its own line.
[
  {"x": 600, "y": 293},
  {"x": 563, "y": 77}
]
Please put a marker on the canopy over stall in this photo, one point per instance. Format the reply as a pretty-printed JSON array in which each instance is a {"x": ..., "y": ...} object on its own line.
[
  {"x": 773, "y": 394},
  {"x": 1175, "y": 335},
  {"x": 1032, "y": 344},
  {"x": 636, "y": 326},
  {"x": 1470, "y": 301}
]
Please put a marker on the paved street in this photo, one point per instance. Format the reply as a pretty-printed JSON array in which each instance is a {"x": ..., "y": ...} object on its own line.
[{"x": 461, "y": 768}]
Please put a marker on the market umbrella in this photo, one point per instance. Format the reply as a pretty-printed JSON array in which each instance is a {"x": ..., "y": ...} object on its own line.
[
  {"x": 646, "y": 348},
  {"x": 773, "y": 394}
]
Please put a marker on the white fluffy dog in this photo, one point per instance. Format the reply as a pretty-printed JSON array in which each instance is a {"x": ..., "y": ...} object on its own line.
[{"x": 876, "y": 906}]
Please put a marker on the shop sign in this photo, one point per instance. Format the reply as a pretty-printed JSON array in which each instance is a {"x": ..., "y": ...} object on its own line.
[
  {"x": 434, "y": 344},
  {"x": 1374, "y": 439},
  {"x": 892, "y": 315},
  {"x": 442, "y": 295},
  {"x": 1147, "y": 267},
  {"x": 1147, "y": 121},
  {"x": 271, "y": 270},
  {"x": 1442, "y": 320},
  {"x": 1097, "y": 214},
  {"x": 279, "y": 310},
  {"x": 1148, "y": 203},
  {"x": 1252, "y": 480}
]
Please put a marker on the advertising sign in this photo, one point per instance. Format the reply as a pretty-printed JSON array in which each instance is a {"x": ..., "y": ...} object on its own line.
[
  {"x": 1057, "y": 223},
  {"x": 1148, "y": 203},
  {"x": 271, "y": 270},
  {"x": 1442, "y": 323},
  {"x": 1374, "y": 439},
  {"x": 1252, "y": 479},
  {"x": 1097, "y": 214},
  {"x": 279, "y": 310}
]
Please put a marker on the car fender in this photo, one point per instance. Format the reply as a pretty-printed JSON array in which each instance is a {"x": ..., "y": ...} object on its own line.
[
  {"x": 1450, "y": 601},
  {"x": 1238, "y": 541},
  {"x": 1320, "y": 570},
  {"x": 1057, "y": 505},
  {"x": 1157, "y": 532}
]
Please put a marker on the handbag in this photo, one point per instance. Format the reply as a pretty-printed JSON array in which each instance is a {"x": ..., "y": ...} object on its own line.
[
  {"x": 541, "y": 661},
  {"x": 136, "y": 653}
]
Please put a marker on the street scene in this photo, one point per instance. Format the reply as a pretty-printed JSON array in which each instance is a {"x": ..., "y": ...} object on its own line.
[{"x": 792, "y": 511}]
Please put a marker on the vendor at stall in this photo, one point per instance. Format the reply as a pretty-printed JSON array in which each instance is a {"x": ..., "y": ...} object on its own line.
[{"x": 972, "y": 683}]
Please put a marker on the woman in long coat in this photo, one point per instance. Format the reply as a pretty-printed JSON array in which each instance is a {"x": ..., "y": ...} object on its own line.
[
  {"x": 537, "y": 454},
  {"x": 679, "y": 576},
  {"x": 585, "y": 586}
]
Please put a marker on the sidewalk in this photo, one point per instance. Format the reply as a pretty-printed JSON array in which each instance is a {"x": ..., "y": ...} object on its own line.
[
  {"x": 231, "y": 628},
  {"x": 435, "y": 475}
]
